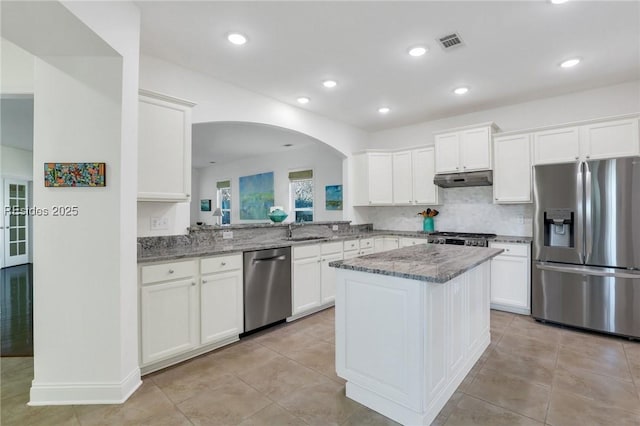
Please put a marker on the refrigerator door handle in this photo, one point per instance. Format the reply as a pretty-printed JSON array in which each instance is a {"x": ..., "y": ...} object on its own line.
[
  {"x": 579, "y": 229},
  {"x": 582, "y": 270},
  {"x": 588, "y": 229}
]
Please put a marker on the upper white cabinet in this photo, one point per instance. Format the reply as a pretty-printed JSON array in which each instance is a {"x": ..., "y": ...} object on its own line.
[
  {"x": 512, "y": 169},
  {"x": 373, "y": 177},
  {"x": 402, "y": 178},
  {"x": 164, "y": 148},
  {"x": 464, "y": 150},
  {"x": 424, "y": 168},
  {"x": 599, "y": 140}
]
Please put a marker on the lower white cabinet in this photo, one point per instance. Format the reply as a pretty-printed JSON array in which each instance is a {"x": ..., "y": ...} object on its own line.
[
  {"x": 188, "y": 308},
  {"x": 511, "y": 278},
  {"x": 385, "y": 243},
  {"x": 306, "y": 285},
  {"x": 406, "y": 241},
  {"x": 169, "y": 319},
  {"x": 328, "y": 277}
]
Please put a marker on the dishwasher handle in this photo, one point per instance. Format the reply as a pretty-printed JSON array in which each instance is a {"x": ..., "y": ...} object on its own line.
[{"x": 271, "y": 259}]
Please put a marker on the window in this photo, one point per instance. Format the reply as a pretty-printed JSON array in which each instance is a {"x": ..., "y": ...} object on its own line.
[
  {"x": 224, "y": 201},
  {"x": 301, "y": 190}
]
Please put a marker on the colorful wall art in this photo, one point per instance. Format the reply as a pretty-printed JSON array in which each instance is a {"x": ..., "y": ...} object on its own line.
[
  {"x": 333, "y": 197},
  {"x": 256, "y": 196},
  {"x": 205, "y": 205},
  {"x": 74, "y": 174}
]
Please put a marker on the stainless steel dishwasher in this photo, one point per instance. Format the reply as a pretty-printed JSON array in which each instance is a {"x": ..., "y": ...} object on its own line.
[{"x": 267, "y": 287}]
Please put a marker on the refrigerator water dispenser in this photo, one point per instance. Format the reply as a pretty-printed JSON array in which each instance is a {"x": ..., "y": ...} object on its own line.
[{"x": 558, "y": 228}]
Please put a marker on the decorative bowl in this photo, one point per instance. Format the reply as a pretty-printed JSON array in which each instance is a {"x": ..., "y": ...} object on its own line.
[{"x": 277, "y": 216}]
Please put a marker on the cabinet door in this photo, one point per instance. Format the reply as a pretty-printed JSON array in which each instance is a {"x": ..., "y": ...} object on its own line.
[
  {"x": 458, "y": 320},
  {"x": 221, "y": 309},
  {"x": 475, "y": 149},
  {"x": 402, "y": 178},
  {"x": 378, "y": 244},
  {"x": 556, "y": 146},
  {"x": 424, "y": 168},
  {"x": 390, "y": 243},
  {"x": 512, "y": 170},
  {"x": 380, "y": 179},
  {"x": 509, "y": 281},
  {"x": 447, "y": 154},
  {"x": 164, "y": 149},
  {"x": 169, "y": 319},
  {"x": 307, "y": 292},
  {"x": 406, "y": 242},
  {"x": 610, "y": 139},
  {"x": 328, "y": 278}
]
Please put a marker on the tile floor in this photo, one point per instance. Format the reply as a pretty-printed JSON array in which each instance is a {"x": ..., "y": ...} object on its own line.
[{"x": 532, "y": 374}]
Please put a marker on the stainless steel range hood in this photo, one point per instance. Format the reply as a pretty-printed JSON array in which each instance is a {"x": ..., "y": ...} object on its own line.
[{"x": 455, "y": 180}]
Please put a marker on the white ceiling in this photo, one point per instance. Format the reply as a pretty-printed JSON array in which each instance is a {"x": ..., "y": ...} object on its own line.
[
  {"x": 511, "y": 53},
  {"x": 224, "y": 142},
  {"x": 16, "y": 122}
]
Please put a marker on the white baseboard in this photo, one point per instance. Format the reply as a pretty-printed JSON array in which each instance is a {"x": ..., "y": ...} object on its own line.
[
  {"x": 512, "y": 309},
  {"x": 84, "y": 393},
  {"x": 310, "y": 312}
]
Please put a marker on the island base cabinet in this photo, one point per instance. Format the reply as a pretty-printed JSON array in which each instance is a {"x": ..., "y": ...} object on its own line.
[
  {"x": 169, "y": 319},
  {"x": 404, "y": 346},
  {"x": 221, "y": 306}
]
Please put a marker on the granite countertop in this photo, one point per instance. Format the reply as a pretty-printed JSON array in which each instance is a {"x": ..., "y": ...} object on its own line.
[{"x": 435, "y": 263}]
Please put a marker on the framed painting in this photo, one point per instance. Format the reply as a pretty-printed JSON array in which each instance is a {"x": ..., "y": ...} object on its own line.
[
  {"x": 74, "y": 174},
  {"x": 333, "y": 197},
  {"x": 256, "y": 196},
  {"x": 205, "y": 205}
]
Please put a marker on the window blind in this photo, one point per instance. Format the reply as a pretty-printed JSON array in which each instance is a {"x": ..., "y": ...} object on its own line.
[{"x": 301, "y": 175}]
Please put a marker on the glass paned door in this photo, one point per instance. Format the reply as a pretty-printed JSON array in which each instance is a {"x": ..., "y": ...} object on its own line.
[{"x": 16, "y": 235}]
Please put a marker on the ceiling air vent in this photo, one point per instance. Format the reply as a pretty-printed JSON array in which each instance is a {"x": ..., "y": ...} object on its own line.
[{"x": 450, "y": 41}]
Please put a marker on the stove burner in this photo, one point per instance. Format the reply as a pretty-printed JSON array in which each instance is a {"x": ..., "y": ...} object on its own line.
[{"x": 460, "y": 238}]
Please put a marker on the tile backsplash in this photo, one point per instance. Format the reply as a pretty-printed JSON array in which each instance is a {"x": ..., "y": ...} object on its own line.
[{"x": 464, "y": 210}]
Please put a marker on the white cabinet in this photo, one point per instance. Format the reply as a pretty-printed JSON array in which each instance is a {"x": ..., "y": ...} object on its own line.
[
  {"x": 464, "y": 149},
  {"x": 511, "y": 278},
  {"x": 406, "y": 241},
  {"x": 593, "y": 141},
  {"x": 164, "y": 148},
  {"x": 373, "y": 177},
  {"x": 306, "y": 286},
  {"x": 221, "y": 298},
  {"x": 423, "y": 170},
  {"x": 328, "y": 277},
  {"x": 512, "y": 169},
  {"x": 402, "y": 178},
  {"x": 385, "y": 243},
  {"x": 168, "y": 319}
]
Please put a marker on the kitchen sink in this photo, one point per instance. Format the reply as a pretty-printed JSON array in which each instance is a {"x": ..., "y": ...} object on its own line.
[{"x": 305, "y": 238}]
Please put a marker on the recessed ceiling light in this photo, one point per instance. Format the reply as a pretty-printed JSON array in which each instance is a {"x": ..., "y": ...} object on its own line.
[
  {"x": 417, "y": 51},
  {"x": 237, "y": 38},
  {"x": 212, "y": 162},
  {"x": 329, "y": 84},
  {"x": 461, "y": 90},
  {"x": 288, "y": 145},
  {"x": 303, "y": 100},
  {"x": 559, "y": 1},
  {"x": 384, "y": 110},
  {"x": 570, "y": 63}
]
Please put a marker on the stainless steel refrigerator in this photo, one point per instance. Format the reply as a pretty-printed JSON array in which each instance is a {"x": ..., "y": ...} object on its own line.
[{"x": 586, "y": 263}]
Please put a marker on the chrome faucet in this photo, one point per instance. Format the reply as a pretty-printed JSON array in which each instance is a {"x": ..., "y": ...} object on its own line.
[{"x": 290, "y": 231}]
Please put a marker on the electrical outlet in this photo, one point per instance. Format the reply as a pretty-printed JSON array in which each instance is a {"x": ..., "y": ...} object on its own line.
[
  {"x": 334, "y": 227},
  {"x": 159, "y": 223},
  {"x": 227, "y": 235}
]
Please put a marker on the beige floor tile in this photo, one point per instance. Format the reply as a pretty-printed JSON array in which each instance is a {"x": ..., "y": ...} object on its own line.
[
  {"x": 615, "y": 366},
  {"x": 242, "y": 357},
  {"x": 528, "y": 327},
  {"x": 566, "y": 409},
  {"x": 321, "y": 330},
  {"x": 12, "y": 364},
  {"x": 322, "y": 403},
  {"x": 288, "y": 343},
  {"x": 529, "y": 368},
  {"x": 466, "y": 383},
  {"x": 524, "y": 346},
  {"x": 320, "y": 357},
  {"x": 448, "y": 408},
  {"x": 474, "y": 412},
  {"x": 147, "y": 406},
  {"x": 632, "y": 351},
  {"x": 500, "y": 320},
  {"x": 272, "y": 415},
  {"x": 512, "y": 393},
  {"x": 364, "y": 416},
  {"x": 16, "y": 380},
  {"x": 600, "y": 388},
  {"x": 279, "y": 378},
  {"x": 228, "y": 404},
  {"x": 15, "y": 412},
  {"x": 593, "y": 345}
]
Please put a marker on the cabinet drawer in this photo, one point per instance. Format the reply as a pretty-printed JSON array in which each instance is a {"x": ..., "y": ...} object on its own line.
[
  {"x": 306, "y": 251},
  {"x": 351, "y": 245},
  {"x": 221, "y": 263},
  {"x": 366, "y": 243},
  {"x": 331, "y": 248},
  {"x": 168, "y": 271},
  {"x": 511, "y": 249}
]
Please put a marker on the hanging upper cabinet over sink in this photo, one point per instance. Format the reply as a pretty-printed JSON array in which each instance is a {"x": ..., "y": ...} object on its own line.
[
  {"x": 164, "y": 148},
  {"x": 464, "y": 149}
]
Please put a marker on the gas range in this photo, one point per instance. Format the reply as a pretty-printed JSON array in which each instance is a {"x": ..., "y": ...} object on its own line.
[{"x": 460, "y": 238}]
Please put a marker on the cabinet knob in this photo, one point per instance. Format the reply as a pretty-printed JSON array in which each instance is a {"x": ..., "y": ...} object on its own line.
[
  {"x": 588, "y": 156},
  {"x": 223, "y": 263},
  {"x": 457, "y": 168},
  {"x": 204, "y": 281},
  {"x": 577, "y": 157},
  {"x": 369, "y": 202},
  {"x": 171, "y": 271},
  {"x": 415, "y": 201},
  {"x": 193, "y": 283},
  {"x": 496, "y": 198},
  {"x": 464, "y": 167}
]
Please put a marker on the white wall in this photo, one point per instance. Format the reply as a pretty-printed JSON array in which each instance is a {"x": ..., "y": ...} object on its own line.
[
  {"x": 85, "y": 104},
  {"x": 17, "y": 69},
  {"x": 471, "y": 209},
  {"x": 219, "y": 101},
  {"x": 16, "y": 163},
  {"x": 325, "y": 163}
]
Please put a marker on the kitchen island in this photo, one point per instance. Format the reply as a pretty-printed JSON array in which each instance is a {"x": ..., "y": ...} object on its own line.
[{"x": 410, "y": 325}]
